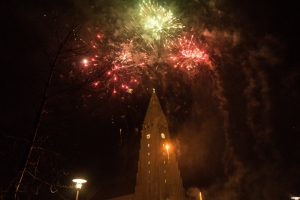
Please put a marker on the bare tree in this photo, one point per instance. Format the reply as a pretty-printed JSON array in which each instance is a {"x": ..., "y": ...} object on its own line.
[{"x": 38, "y": 167}]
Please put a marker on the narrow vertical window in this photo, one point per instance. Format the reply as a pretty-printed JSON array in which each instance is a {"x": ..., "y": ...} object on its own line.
[
  {"x": 148, "y": 145},
  {"x": 148, "y": 162}
]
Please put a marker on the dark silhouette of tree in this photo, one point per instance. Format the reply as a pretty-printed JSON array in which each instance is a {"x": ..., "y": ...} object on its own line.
[{"x": 40, "y": 165}]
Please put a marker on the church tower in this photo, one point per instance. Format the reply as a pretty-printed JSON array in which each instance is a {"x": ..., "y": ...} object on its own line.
[{"x": 158, "y": 176}]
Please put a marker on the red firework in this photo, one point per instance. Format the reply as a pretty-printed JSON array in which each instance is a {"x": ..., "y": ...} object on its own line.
[{"x": 187, "y": 54}]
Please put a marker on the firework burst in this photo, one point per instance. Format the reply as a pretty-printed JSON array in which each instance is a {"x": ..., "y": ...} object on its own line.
[
  {"x": 186, "y": 54},
  {"x": 154, "y": 41},
  {"x": 156, "y": 26},
  {"x": 158, "y": 21},
  {"x": 125, "y": 64}
]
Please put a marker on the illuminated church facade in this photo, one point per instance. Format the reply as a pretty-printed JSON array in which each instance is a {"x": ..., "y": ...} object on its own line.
[{"x": 158, "y": 176}]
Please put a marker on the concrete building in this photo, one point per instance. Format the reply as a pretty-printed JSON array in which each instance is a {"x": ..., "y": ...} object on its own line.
[{"x": 158, "y": 176}]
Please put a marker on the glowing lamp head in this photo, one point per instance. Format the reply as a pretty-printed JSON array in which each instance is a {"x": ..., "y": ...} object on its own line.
[
  {"x": 296, "y": 198},
  {"x": 79, "y": 183}
]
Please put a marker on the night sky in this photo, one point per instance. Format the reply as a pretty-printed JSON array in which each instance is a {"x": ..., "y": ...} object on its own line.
[{"x": 234, "y": 119}]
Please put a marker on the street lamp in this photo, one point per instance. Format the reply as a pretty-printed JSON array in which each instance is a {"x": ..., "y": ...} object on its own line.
[
  {"x": 167, "y": 147},
  {"x": 79, "y": 183},
  {"x": 200, "y": 196},
  {"x": 296, "y": 198}
]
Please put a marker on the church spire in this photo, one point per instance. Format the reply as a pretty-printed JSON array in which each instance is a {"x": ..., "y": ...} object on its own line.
[
  {"x": 158, "y": 176},
  {"x": 154, "y": 111}
]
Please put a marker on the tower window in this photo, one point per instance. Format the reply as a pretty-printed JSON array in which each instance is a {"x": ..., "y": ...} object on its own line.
[
  {"x": 163, "y": 136},
  {"x": 148, "y": 136},
  {"x": 148, "y": 162},
  {"x": 164, "y": 162},
  {"x": 165, "y": 180},
  {"x": 165, "y": 171},
  {"x": 148, "y": 145},
  {"x": 149, "y": 171},
  {"x": 148, "y": 153}
]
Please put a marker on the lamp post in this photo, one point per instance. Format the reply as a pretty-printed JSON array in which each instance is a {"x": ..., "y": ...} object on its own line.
[{"x": 78, "y": 186}]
